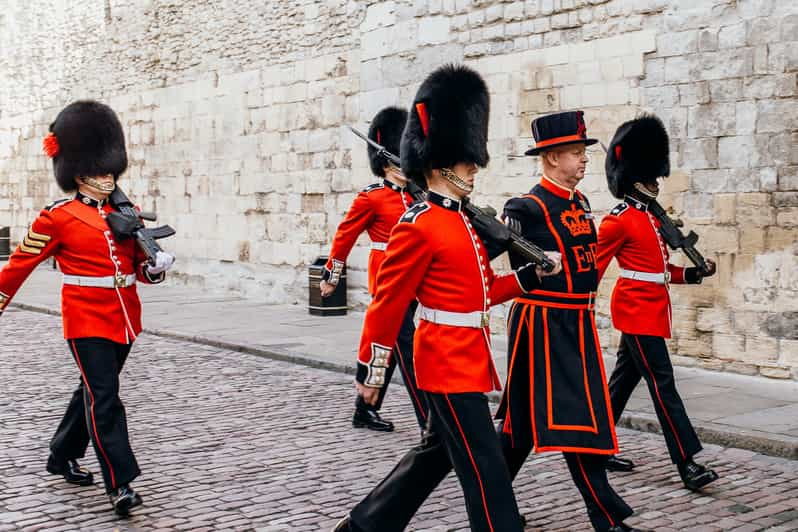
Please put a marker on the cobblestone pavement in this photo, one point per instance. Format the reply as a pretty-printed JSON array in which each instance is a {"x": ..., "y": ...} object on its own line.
[{"x": 232, "y": 441}]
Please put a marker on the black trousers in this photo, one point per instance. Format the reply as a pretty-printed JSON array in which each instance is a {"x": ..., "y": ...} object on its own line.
[
  {"x": 647, "y": 357},
  {"x": 95, "y": 412},
  {"x": 461, "y": 435},
  {"x": 403, "y": 358},
  {"x": 605, "y": 508}
]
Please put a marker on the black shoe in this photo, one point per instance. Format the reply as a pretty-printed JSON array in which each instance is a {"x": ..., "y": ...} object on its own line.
[
  {"x": 370, "y": 419},
  {"x": 71, "y": 471},
  {"x": 614, "y": 463},
  {"x": 345, "y": 525},
  {"x": 622, "y": 527},
  {"x": 695, "y": 476},
  {"x": 123, "y": 499}
]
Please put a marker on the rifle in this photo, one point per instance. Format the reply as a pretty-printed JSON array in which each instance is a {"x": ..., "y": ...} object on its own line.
[
  {"x": 492, "y": 231},
  {"x": 485, "y": 222},
  {"x": 669, "y": 229},
  {"x": 127, "y": 222}
]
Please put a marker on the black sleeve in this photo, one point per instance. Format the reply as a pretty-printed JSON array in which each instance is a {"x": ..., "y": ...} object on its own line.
[{"x": 529, "y": 217}]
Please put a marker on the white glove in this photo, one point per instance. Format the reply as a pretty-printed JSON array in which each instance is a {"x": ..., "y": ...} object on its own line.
[
  {"x": 163, "y": 261},
  {"x": 556, "y": 258}
]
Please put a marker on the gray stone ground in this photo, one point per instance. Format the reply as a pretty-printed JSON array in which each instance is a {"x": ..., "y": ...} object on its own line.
[
  {"x": 727, "y": 409},
  {"x": 228, "y": 440}
]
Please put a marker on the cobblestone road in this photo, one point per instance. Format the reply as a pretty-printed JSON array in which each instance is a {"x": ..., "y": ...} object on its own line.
[{"x": 232, "y": 441}]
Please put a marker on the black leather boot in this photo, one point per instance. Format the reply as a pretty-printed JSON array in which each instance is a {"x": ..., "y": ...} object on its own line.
[
  {"x": 71, "y": 471},
  {"x": 622, "y": 527},
  {"x": 342, "y": 525},
  {"x": 123, "y": 499},
  {"x": 695, "y": 476},
  {"x": 369, "y": 418},
  {"x": 346, "y": 525},
  {"x": 618, "y": 464}
]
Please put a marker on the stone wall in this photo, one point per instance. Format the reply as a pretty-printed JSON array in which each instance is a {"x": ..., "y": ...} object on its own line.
[{"x": 234, "y": 115}]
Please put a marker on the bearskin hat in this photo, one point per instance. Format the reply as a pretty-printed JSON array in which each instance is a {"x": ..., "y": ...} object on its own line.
[
  {"x": 385, "y": 129},
  {"x": 638, "y": 152},
  {"x": 86, "y": 139},
  {"x": 447, "y": 124}
]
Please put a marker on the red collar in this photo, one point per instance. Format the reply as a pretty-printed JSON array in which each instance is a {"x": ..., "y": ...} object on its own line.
[{"x": 557, "y": 189}]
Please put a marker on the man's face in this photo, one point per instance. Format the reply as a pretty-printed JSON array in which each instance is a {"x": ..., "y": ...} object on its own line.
[
  {"x": 395, "y": 174},
  {"x": 568, "y": 163},
  {"x": 573, "y": 160},
  {"x": 652, "y": 186},
  {"x": 466, "y": 171},
  {"x": 99, "y": 185}
]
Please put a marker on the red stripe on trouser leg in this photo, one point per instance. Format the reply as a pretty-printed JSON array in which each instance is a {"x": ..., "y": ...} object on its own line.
[
  {"x": 592, "y": 492},
  {"x": 411, "y": 385},
  {"x": 659, "y": 399},
  {"x": 473, "y": 462},
  {"x": 91, "y": 410}
]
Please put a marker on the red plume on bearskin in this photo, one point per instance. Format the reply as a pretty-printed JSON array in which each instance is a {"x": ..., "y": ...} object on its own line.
[
  {"x": 639, "y": 152},
  {"x": 50, "y": 145},
  {"x": 90, "y": 142},
  {"x": 448, "y": 123},
  {"x": 385, "y": 129}
]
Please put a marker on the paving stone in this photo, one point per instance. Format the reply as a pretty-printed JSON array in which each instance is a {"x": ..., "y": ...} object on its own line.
[{"x": 270, "y": 447}]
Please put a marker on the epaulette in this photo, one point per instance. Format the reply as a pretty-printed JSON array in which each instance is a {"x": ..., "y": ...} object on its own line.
[
  {"x": 373, "y": 186},
  {"x": 412, "y": 214},
  {"x": 619, "y": 209},
  {"x": 57, "y": 203}
]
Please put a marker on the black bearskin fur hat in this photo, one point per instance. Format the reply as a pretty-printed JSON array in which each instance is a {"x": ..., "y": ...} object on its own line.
[
  {"x": 448, "y": 123},
  {"x": 385, "y": 129},
  {"x": 88, "y": 141},
  {"x": 638, "y": 153}
]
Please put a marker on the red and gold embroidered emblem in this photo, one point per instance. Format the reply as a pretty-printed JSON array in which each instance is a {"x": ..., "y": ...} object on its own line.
[{"x": 574, "y": 220}]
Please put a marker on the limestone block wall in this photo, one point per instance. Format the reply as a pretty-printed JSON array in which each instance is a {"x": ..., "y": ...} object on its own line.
[{"x": 235, "y": 111}]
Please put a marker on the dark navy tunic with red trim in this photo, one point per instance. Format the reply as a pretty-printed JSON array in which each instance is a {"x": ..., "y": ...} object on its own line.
[{"x": 554, "y": 351}]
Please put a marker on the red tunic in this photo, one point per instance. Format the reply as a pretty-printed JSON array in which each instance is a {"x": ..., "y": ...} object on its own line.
[
  {"x": 376, "y": 209},
  {"x": 77, "y": 234},
  {"x": 435, "y": 255},
  {"x": 631, "y": 234}
]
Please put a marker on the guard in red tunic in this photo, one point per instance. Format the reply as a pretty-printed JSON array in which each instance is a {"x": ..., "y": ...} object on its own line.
[
  {"x": 376, "y": 210},
  {"x": 100, "y": 308},
  {"x": 556, "y": 396},
  {"x": 435, "y": 255},
  {"x": 641, "y": 307}
]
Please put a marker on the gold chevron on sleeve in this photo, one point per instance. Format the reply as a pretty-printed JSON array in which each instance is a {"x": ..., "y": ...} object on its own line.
[
  {"x": 28, "y": 241},
  {"x": 32, "y": 251},
  {"x": 34, "y": 242},
  {"x": 33, "y": 235}
]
